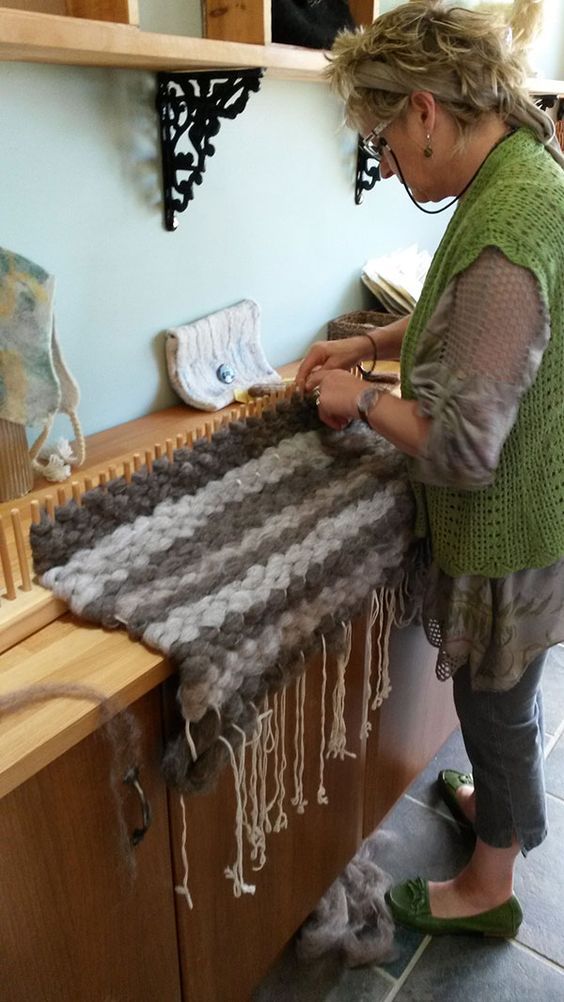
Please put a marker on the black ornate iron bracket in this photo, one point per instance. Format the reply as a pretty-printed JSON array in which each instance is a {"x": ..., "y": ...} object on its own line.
[
  {"x": 546, "y": 101},
  {"x": 366, "y": 176},
  {"x": 190, "y": 108}
]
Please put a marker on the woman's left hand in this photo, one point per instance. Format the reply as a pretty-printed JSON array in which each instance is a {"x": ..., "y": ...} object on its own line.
[{"x": 338, "y": 397}]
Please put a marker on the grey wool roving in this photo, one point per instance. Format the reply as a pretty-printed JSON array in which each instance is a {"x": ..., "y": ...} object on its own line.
[
  {"x": 352, "y": 918},
  {"x": 236, "y": 560}
]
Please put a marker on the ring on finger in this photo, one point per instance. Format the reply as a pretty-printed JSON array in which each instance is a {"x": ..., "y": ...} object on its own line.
[{"x": 316, "y": 394}]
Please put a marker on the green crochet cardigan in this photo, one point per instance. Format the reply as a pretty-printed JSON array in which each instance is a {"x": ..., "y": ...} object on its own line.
[{"x": 515, "y": 204}]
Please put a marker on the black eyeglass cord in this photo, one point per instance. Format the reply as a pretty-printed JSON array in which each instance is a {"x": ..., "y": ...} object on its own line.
[{"x": 435, "y": 212}]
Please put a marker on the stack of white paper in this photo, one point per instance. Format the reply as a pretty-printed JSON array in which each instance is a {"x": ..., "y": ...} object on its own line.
[{"x": 397, "y": 278}]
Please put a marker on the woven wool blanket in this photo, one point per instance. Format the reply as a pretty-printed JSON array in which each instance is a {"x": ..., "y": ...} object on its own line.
[{"x": 236, "y": 560}]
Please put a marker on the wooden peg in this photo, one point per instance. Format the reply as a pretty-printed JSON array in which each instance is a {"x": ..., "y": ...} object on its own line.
[
  {"x": 190, "y": 439},
  {"x": 137, "y": 462},
  {"x": 149, "y": 460},
  {"x": 180, "y": 441},
  {"x": 88, "y": 484},
  {"x": 61, "y": 496},
  {"x": 169, "y": 450},
  {"x": 6, "y": 564},
  {"x": 20, "y": 547},
  {"x": 200, "y": 433},
  {"x": 76, "y": 495},
  {"x": 102, "y": 479},
  {"x": 112, "y": 472},
  {"x": 35, "y": 512},
  {"x": 158, "y": 450},
  {"x": 127, "y": 471},
  {"x": 49, "y": 506},
  {"x": 209, "y": 430}
]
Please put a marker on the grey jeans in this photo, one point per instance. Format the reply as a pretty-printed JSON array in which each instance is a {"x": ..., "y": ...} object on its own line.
[{"x": 503, "y": 733}]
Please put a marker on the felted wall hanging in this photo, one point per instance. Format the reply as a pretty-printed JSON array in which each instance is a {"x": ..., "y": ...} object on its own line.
[
  {"x": 237, "y": 560},
  {"x": 212, "y": 358},
  {"x": 35, "y": 383}
]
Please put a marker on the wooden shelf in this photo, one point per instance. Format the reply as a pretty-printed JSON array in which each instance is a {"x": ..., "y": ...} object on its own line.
[{"x": 48, "y": 38}]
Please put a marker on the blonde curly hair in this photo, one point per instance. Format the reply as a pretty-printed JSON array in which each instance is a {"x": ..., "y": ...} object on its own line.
[{"x": 464, "y": 57}]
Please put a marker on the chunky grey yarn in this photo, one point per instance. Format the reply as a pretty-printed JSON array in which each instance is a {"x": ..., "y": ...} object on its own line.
[
  {"x": 235, "y": 560},
  {"x": 352, "y": 918}
]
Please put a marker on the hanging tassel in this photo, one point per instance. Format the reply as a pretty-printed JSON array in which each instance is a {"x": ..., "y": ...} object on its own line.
[
  {"x": 383, "y": 685},
  {"x": 235, "y": 872},
  {"x": 371, "y": 619},
  {"x": 182, "y": 889},
  {"x": 322, "y": 797},
  {"x": 282, "y": 818},
  {"x": 262, "y": 760},
  {"x": 298, "y": 800},
  {"x": 274, "y": 723},
  {"x": 337, "y": 746},
  {"x": 190, "y": 741}
]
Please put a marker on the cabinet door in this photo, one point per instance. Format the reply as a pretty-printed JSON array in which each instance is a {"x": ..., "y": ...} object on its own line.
[
  {"x": 411, "y": 726},
  {"x": 75, "y": 922},
  {"x": 227, "y": 944}
]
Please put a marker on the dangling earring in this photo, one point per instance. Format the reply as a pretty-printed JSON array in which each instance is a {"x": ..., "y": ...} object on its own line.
[{"x": 428, "y": 151}]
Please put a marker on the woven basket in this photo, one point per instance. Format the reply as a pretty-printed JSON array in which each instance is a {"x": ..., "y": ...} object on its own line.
[{"x": 351, "y": 324}]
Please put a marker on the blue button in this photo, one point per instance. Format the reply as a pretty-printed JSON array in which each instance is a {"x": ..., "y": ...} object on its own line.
[{"x": 225, "y": 373}]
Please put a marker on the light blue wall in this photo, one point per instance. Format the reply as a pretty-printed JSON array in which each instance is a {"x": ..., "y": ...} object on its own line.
[{"x": 275, "y": 220}]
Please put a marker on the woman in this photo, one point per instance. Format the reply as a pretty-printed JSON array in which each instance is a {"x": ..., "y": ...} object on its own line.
[{"x": 441, "y": 101}]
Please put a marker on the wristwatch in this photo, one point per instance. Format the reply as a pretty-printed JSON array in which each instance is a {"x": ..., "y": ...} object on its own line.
[{"x": 366, "y": 402}]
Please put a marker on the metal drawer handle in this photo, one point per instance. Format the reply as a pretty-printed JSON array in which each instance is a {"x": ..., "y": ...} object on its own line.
[{"x": 132, "y": 779}]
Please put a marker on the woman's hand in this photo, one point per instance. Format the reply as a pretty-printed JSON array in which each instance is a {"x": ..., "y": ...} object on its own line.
[
  {"x": 326, "y": 356},
  {"x": 338, "y": 397}
]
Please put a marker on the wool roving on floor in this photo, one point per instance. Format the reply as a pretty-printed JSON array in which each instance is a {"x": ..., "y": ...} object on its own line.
[{"x": 237, "y": 560}]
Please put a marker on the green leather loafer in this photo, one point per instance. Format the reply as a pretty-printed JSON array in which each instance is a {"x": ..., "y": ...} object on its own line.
[
  {"x": 448, "y": 782},
  {"x": 409, "y": 904}
]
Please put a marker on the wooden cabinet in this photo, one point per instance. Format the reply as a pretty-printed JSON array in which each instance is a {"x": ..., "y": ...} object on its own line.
[
  {"x": 413, "y": 723},
  {"x": 76, "y": 922},
  {"x": 227, "y": 944}
]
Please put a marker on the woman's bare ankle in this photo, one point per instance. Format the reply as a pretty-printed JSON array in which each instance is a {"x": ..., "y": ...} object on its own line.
[{"x": 466, "y": 802}]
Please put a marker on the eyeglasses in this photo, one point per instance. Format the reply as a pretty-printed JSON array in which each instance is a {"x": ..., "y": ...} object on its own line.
[{"x": 374, "y": 144}]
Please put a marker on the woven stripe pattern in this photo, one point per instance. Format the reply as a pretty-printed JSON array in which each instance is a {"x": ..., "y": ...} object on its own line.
[{"x": 235, "y": 560}]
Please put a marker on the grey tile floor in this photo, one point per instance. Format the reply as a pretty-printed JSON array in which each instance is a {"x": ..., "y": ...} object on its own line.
[{"x": 420, "y": 837}]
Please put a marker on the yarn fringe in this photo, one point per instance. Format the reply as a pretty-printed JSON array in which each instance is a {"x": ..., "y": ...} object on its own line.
[
  {"x": 182, "y": 889},
  {"x": 261, "y": 764},
  {"x": 337, "y": 744}
]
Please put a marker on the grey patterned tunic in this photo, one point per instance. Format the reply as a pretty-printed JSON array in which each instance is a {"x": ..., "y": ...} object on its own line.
[{"x": 477, "y": 358}]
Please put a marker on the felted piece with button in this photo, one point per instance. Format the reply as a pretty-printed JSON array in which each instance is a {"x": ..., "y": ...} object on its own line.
[
  {"x": 211, "y": 359},
  {"x": 35, "y": 383}
]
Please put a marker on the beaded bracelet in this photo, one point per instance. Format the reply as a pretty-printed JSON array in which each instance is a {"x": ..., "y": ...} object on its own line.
[{"x": 367, "y": 373}]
